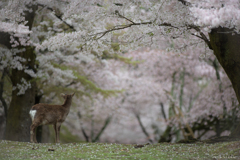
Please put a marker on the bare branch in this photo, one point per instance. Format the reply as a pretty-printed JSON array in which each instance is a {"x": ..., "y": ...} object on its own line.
[
  {"x": 128, "y": 26},
  {"x": 185, "y": 3},
  {"x": 163, "y": 112},
  {"x": 115, "y": 28},
  {"x": 132, "y": 23},
  {"x": 121, "y": 16},
  {"x": 203, "y": 36},
  {"x": 167, "y": 25},
  {"x": 107, "y": 121},
  {"x": 142, "y": 127},
  {"x": 118, "y": 4},
  {"x": 83, "y": 130},
  {"x": 84, "y": 133}
]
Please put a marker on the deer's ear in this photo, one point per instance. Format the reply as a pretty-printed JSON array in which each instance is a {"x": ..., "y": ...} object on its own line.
[
  {"x": 63, "y": 95},
  {"x": 73, "y": 94}
]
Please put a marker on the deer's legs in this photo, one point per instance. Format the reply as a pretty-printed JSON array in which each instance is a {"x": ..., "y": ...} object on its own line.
[
  {"x": 55, "y": 129},
  {"x": 33, "y": 133},
  {"x": 58, "y": 131}
]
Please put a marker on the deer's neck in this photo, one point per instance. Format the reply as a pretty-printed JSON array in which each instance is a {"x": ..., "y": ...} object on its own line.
[{"x": 67, "y": 103}]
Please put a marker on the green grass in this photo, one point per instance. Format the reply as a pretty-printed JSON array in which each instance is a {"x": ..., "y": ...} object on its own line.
[{"x": 69, "y": 151}]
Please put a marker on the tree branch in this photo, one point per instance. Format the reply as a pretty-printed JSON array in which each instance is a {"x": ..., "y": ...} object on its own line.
[
  {"x": 142, "y": 127},
  {"x": 163, "y": 112},
  {"x": 58, "y": 16},
  {"x": 119, "y": 27},
  {"x": 84, "y": 133},
  {"x": 185, "y": 3},
  {"x": 121, "y": 16},
  {"x": 132, "y": 23},
  {"x": 107, "y": 121},
  {"x": 83, "y": 130},
  {"x": 203, "y": 36}
]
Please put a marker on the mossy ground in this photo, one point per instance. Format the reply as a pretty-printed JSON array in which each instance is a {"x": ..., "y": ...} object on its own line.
[{"x": 25, "y": 150}]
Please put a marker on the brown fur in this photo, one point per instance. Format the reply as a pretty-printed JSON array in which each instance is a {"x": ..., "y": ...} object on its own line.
[{"x": 50, "y": 114}]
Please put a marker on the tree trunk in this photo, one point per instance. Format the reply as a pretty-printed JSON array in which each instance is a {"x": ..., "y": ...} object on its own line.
[
  {"x": 18, "y": 119},
  {"x": 226, "y": 46}
]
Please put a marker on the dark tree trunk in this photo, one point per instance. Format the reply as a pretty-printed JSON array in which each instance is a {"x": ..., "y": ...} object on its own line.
[
  {"x": 226, "y": 46},
  {"x": 18, "y": 119}
]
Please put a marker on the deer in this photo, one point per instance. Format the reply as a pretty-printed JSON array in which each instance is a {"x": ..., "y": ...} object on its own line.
[{"x": 46, "y": 114}]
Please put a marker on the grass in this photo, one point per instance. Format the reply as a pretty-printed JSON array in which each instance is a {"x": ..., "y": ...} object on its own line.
[{"x": 79, "y": 151}]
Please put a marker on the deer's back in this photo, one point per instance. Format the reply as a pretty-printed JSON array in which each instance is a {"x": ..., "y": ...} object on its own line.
[{"x": 49, "y": 114}]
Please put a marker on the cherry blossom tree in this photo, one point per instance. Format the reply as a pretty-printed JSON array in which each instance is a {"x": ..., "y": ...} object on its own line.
[
  {"x": 80, "y": 31},
  {"x": 189, "y": 91},
  {"x": 31, "y": 70},
  {"x": 164, "y": 94}
]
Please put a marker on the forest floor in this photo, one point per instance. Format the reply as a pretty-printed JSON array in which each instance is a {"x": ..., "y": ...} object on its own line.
[{"x": 80, "y": 151}]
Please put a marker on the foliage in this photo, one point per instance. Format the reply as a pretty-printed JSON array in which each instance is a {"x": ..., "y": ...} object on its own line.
[{"x": 105, "y": 26}]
